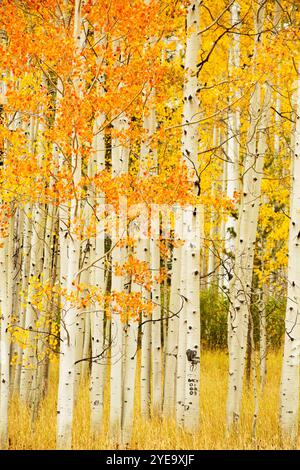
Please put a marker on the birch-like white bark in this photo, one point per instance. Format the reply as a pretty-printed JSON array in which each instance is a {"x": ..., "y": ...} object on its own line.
[
  {"x": 240, "y": 291},
  {"x": 191, "y": 223},
  {"x": 29, "y": 362},
  {"x": 181, "y": 339},
  {"x": 69, "y": 311},
  {"x": 174, "y": 311},
  {"x": 5, "y": 313},
  {"x": 151, "y": 332},
  {"x": 156, "y": 346},
  {"x": 98, "y": 280},
  {"x": 24, "y": 276},
  {"x": 116, "y": 354},
  {"x": 150, "y": 125},
  {"x": 120, "y": 160},
  {"x": 143, "y": 254},
  {"x": 211, "y": 257},
  {"x": 233, "y": 150},
  {"x": 240, "y": 288},
  {"x": 289, "y": 393},
  {"x": 130, "y": 352},
  {"x": 263, "y": 335}
]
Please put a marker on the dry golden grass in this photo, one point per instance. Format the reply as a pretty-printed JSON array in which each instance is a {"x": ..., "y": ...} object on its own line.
[{"x": 163, "y": 434}]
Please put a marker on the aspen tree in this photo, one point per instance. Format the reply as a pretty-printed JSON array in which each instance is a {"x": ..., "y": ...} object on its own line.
[
  {"x": 67, "y": 348},
  {"x": 222, "y": 271},
  {"x": 148, "y": 250},
  {"x": 151, "y": 332},
  {"x": 289, "y": 390},
  {"x": 142, "y": 254},
  {"x": 5, "y": 305},
  {"x": 16, "y": 286},
  {"x": 156, "y": 345},
  {"x": 39, "y": 345},
  {"x": 87, "y": 336},
  {"x": 263, "y": 336},
  {"x": 211, "y": 262},
  {"x": 191, "y": 225},
  {"x": 17, "y": 292},
  {"x": 232, "y": 173},
  {"x": 240, "y": 289},
  {"x": 29, "y": 363},
  {"x": 5, "y": 298},
  {"x": 267, "y": 288},
  {"x": 174, "y": 313},
  {"x": 82, "y": 340},
  {"x": 27, "y": 227},
  {"x": 49, "y": 275},
  {"x": 242, "y": 281},
  {"x": 116, "y": 351},
  {"x": 131, "y": 337},
  {"x": 98, "y": 279},
  {"x": 154, "y": 250},
  {"x": 130, "y": 346},
  {"x": 181, "y": 338},
  {"x": 17, "y": 306},
  {"x": 119, "y": 163}
]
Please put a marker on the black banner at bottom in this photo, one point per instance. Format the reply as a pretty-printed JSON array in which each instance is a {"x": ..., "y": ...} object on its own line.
[{"x": 139, "y": 459}]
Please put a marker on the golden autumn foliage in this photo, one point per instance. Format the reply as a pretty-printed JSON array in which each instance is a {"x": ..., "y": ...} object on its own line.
[{"x": 92, "y": 130}]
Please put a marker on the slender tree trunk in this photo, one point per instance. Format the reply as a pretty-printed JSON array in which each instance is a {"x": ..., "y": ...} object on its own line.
[
  {"x": 98, "y": 280},
  {"x": 29, "y": 363},
  {"x": 120, "y": 161},
  {"x": 174, "y": 313},
  {"x": 146, "y": 339},
  {"x": 289, "y": 394},
  {"x": 263, "y": 336},
  {"x": 233, "y": 150},
  {"x": 181, "y": 340},
  {"x": 131, "y": 338},
  {"x": 24, "y": 276},
  {"x": 69, "y": 311},
  {"x": 116, "y": 341},
  {"x": 240, "y": 291},
  {"x": 5, "y": 306},
  {"x": 156, "y": 352},
  {"x": 240, "y": 288},
  {"x": 191, "y": 224}
]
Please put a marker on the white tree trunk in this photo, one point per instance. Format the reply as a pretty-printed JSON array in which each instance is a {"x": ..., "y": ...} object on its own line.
[
  {"x": 27, "y": 227},
  {"x": 120, "y": 160},
  {"x": 117, "y": 286},
  {"x": 68, "y": 314},
  {"x": 171, "y": 348},
  {"x": 146, "y": 359},
  {"x": 29, "y": 359},
  {"x": 156, "y": 351},
  {"x": 149, "y": 165},
  {"x": 148, "y": 251},
  {"x": 233, "y": 152},
  {"x": 191, "y": 226},
  {"x": 68, "y": 334},
  {"x": 181, "y": 339},
  {"x": 263, "y": 336},
  {"x": 289, "y": 394},
  {"x": 130, "y": 352},
  {"x": 240, "y": 288},
  {"x": 240, "y": 291},
  {"x": 98, "y": 280},
  {"x": 5, "y": 313}
]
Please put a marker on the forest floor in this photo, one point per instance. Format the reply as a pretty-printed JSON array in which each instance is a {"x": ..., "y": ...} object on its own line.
[{"x": 163, "y": 434}]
